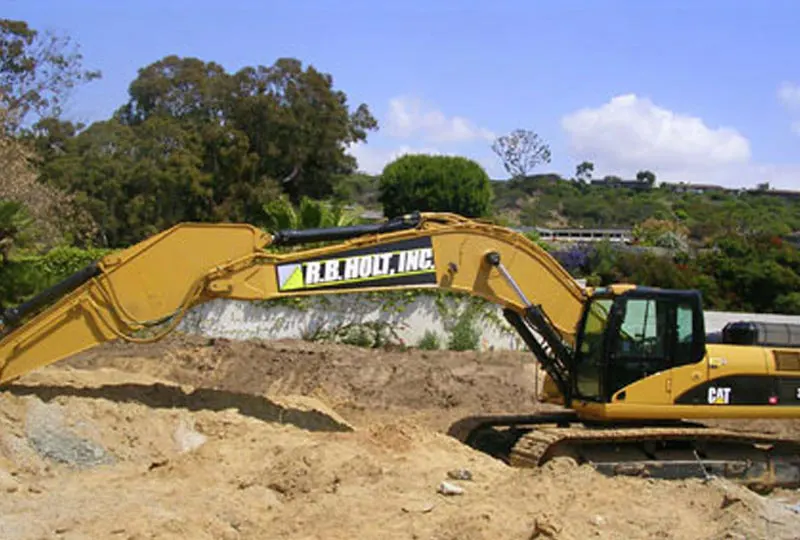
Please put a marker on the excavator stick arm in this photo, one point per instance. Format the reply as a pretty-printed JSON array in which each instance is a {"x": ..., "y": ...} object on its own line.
[{"x": 141, "y": 293}]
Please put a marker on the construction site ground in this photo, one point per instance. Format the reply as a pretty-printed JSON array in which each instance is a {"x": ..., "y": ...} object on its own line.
[{"x": 199, "y": 438}]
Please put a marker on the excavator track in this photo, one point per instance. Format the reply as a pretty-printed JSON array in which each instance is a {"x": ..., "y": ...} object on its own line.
[{"x": 759, "y": 461}]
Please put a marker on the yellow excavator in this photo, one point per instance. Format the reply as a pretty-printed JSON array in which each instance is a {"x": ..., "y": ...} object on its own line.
[{"x": 630, "y": 367}]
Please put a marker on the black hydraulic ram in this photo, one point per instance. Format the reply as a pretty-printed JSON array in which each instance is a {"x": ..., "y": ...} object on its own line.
[
  {"x": 552, "y": 365},
  {"x": 557, "y": 360},
  {"x": 12, "y": 317},
  {"x": 288, "y": 237}
]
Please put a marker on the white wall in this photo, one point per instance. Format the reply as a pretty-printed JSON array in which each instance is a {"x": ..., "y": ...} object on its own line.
[{"x": 248, "y": 320}]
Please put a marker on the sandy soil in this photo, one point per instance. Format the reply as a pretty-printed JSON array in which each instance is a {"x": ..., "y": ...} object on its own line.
[{"x": 195, "y": 438}]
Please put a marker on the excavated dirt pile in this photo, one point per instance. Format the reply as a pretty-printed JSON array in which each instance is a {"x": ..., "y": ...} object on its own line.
[{"x": 196, "y": 438}]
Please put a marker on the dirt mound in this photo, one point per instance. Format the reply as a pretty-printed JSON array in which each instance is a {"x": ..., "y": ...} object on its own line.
[
  {"x": 355, "y": 381},
  {"x": 193, "y": 438}
]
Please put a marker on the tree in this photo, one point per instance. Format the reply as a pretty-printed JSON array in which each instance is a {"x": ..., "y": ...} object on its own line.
[
  {"x": 45, "y": 214},
  {"x": 138, "y": 180},
  {"x": 14, "y": 225},
  {"x": 294, "y": 121},
  {"x": 584, "y": 170},
  {"x": 194, "y": 142},
  {"x": 521, "y": 151},
  {"x": 435, "y": 183},
  {"x": 300, "y": 125},
  {"x": 37, "y": 72},
  {"x": 646, "y": 176}
]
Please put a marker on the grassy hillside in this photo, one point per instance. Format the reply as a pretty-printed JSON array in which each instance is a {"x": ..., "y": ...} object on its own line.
[{"x": 551, "y": 201}]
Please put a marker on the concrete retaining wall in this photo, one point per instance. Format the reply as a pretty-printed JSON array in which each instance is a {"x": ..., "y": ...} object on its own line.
[{"x": 251, "y": 320}]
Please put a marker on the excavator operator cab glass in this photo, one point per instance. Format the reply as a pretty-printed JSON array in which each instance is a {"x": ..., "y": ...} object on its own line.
[
  {"x": 632, "y": 336},
  {"x": 589, "y": 361}
]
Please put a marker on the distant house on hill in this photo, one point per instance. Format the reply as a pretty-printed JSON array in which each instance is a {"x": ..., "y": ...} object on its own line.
[
  {"x": 577, "y": 234},
  {"x": 618, "y": 183},
  {"x": 763, "y": 189},
  {"x": 683, "y": 187},
  {"x": 781, "y": 193}
]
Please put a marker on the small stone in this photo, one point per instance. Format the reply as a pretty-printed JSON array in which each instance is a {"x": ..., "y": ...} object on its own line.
[
  {"x": 728, "y": 500},
  {"x": 459, "y": 474},
  {"x": 8, "y": 483},
  {"x": 418, "y": 507},
  {"x": 546, "y": 526},
  {"x": 446, "y": 488},
  {"x": 598, "y": 520}
]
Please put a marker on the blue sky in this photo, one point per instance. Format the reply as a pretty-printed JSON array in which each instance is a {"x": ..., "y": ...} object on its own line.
[{"x": 703, "y": 91}]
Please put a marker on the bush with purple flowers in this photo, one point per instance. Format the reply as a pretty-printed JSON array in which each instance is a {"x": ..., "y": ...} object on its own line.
[{"x": 576, "y": 259}]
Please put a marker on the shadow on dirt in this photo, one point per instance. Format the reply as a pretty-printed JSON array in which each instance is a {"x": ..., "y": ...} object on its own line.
[{"x": 201, "y": 399}]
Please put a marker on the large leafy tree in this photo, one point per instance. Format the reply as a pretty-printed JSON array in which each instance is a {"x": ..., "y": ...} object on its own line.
[
  {"x": 195, "y": 142},
  {"x": 296, "y": 124},
  {"x": 299, "y": 125},
  {"x": 136, "y": 181}
]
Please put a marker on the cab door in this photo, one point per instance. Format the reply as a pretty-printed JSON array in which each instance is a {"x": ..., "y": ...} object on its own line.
[
  {"x": 638, "y": 356},
  {"x": 688, "y": 359}
]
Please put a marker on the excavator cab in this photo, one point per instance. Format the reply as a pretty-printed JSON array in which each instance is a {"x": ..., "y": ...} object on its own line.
[{"x": 629, "y": 335}]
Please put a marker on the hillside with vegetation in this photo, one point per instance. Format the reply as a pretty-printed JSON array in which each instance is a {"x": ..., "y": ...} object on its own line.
[
  {"x": 268, "y": 144},
  {"x": 552, "y": 201}
]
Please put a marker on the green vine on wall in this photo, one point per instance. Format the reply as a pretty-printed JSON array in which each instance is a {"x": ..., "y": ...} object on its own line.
[{"x": 460, "y": 313}]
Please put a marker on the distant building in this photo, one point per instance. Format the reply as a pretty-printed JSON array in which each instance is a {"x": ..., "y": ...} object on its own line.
[
  {"x": 618, "y": 183},
  {"x": 696, "y": 188},
  {"x": 577, "y": 234},
  {"x": 781, "y": 193},
  {"x": 683, "y": 187}
]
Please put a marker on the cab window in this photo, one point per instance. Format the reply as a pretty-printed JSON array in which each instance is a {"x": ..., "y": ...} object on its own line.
[
  {"x": 641, "y": 333},
  {"x": 639, "y": 344},
  {"x": 590, "y": 355}
]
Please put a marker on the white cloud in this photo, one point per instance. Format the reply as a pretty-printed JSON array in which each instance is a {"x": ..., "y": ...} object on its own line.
[
  {"x": 372, "y": 159},
  {"x": 630, "y": 133},
  {"x": 423, "y": 129},
  {"x": 789, "y": 95},
  {"x": 411, "y": 117},
  {"x": 785, "y": 176}
]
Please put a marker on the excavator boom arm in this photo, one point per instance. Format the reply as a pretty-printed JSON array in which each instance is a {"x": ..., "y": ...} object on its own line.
[{"x": 142, "y": 292}]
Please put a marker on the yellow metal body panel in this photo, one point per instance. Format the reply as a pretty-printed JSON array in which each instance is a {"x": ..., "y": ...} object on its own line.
[{"x": 654, "y": 397}]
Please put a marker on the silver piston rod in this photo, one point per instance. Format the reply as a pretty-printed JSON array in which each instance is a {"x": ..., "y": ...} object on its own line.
[{"x": 559, "y": 358}]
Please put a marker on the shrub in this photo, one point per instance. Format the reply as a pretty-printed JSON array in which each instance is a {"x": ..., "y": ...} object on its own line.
[
  {"x": 429, "y": 341},
  {"x": 465, "y": 337},
  {"x": 24, "y": 277},
  {"x": 435, "y": 184}
]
